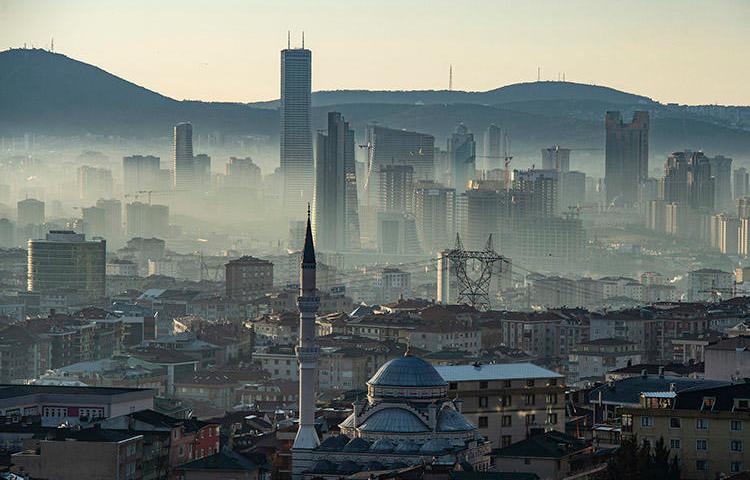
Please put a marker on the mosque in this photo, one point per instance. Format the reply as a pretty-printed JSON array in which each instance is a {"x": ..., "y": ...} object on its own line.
[{"x": 407, "y": 418}]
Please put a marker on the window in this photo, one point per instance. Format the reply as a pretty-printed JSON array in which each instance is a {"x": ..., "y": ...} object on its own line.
[
  {"x": 181, "y": 451},
  {"x": 552, "y": 382},
  {"x": 483, "y": 385},
  {"x": 735, "y": 467},
  {"x": 529, "y": 399},
  {"x": 674, "y": 444},
  {"x": 701, "y": 424},
  {"x": 530, "y": 419},
  {"x": 701, "y": 445},
  {"x": 453, "y": 386},
  {"x": 552, "y": 418},
  {"x": 483, "y": 402},
  {"x": 735, "y": 425},
  {"x": 506, "y": 383},
  {"x": 647, "y": 422},
  {"x": 701, "y": 465},
  {"x": 742, "y": 404},
  {"x": 527, "y": 461},
  {"x": 552, "y": 398},
  {"x": 735, "y": 445},
  {"x": 674, "y": 422},
  {"x": 505, "y": 400},
  {"x": 530, "y": 383},
  {"x": 708, "y": 403},
  {"x": 506, "y": 422},
  {"x": 483, "y": 422},
  {"x": 505, "y": 440}
]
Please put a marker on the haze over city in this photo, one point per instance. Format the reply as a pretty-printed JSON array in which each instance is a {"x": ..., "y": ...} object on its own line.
[{"x": 374, "y": 240}]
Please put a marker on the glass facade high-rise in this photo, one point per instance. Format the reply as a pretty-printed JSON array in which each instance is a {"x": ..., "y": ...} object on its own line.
[
  {"x": 626, "y": 156},
  {"x": 296, "y": 152},
  {"x": 182, "y": 168},
  {"x": 335, "y": 209}
]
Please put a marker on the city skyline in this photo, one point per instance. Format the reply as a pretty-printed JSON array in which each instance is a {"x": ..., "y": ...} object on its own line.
[{"x": 587, "y": 43}]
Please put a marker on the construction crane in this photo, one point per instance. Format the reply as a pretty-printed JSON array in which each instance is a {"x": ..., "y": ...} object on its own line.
[{"x": 506, "y": 166}]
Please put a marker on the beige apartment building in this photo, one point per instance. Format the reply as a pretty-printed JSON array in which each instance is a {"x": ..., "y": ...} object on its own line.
[
  {"x": 507, "y": 402},
  {"x": 706, "y": 428}
]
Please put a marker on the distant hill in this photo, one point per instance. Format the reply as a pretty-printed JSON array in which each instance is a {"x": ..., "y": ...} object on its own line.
[
  {"x": 52, "y": 94},
  {"x": 519, "y": 92}
]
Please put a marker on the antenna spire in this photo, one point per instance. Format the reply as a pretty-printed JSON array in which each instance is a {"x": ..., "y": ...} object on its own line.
[
  {"x": 288, "y": 39},
  {"x": 450, "y": 78},
  {"x": 303, "y": 39}
]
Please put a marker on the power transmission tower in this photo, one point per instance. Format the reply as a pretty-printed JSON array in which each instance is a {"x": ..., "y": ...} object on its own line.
[{"x": 474, "y": 290}]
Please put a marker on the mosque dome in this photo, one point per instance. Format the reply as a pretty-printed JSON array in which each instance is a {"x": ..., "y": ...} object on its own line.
[
  {"x": 393, "y": 420},
  {"x": 407, "y": 371},
  {"x": 450, "y": 420}
]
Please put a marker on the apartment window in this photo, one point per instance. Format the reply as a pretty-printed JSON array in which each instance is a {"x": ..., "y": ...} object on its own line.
[
  {"x": 552, "y": 382},
  {"x": 735, "y": 425},
  {"x": 506, "y": 383},
  {"x": 506, "y": 422},
  {"x": 483, "y": 402},
  {"x": 674, "y": 422},
  {"x": 708, "y": 403},
  {"x": 453, "y": 386},
  {"x": 735, "y": 445},
  {"x": 701, "y": 424},
  {"x": 483, "y": 385},
  {"x": 701, "y": 465},
  {"x": 735, "y": 467},
  {"x": 530, "y": 419},
  {"x": 529, "y": 399},
  {"x": 483, "y": 422},
  {"x": 530, "y": 383},
  {"x": 701, "y": 445},
  {"x": 527, "y": 461},
  {"x": 742, "y": 404},
  {"x": 552, "y": 418},
  {"x": 505, "y": 440},
  {"x": 552, "y": 398},
  {"x": 674, "y": 444},
  {"x": 647, "y": 422},
  {"x": 505, "y": 400}
]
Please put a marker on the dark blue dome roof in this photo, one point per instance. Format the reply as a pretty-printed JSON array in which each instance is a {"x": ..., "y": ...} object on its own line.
[{"x": 407, "y": 371}]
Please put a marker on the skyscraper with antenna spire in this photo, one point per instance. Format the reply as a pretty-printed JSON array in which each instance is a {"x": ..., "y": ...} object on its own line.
[{"x": 296, "y": 151}]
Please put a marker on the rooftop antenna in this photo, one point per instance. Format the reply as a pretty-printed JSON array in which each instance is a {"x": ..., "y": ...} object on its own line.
[
  {"x": 288, "y": 39},
  {"x": 52, "y": 45},
  {"x": 538, "y": 74},
  {"x": 303, "y": 39},
  {"x": 450, "y": 78}
]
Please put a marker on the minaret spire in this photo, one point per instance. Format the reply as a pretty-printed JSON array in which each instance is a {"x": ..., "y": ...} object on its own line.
[{"x": 307, "y": 349}]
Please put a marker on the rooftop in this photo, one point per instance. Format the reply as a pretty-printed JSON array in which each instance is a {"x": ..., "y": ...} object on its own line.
[
  {"x": 11, "y": 391},
  {"x": 498, "y": 371},
  {"x": 552, "y": 444}
]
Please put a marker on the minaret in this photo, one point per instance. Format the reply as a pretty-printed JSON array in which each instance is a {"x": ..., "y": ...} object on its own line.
[{"x": 307, "y": 350}]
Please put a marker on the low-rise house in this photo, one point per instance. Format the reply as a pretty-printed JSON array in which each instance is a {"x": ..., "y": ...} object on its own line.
[
  {"x": 550, "y": 455},
  {"x": 591, "y": 360}
]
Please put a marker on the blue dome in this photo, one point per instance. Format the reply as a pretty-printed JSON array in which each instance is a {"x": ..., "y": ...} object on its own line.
[
  {"x": 393, "y": 420},
  {"x": 450, "y": 420},
  {"x": 407, "y": 371}
]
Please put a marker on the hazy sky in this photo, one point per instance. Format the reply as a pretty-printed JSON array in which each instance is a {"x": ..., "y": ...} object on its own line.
[{"x": 671, "y": 50}]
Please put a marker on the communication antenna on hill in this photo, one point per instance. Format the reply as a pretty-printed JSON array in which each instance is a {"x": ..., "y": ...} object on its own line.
[
  {"x": 288, "y": 39},
  {"x": 538, "y": 74},
  {"x": 303, "y": 39},
  {"x": 52, "y": 45},
  {"x": 450, "y": 78}
]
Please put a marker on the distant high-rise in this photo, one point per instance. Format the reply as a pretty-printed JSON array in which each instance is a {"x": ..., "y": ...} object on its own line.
[
  {"x": 741, "y": 182},
  {"x": 556, "y": 158},
  {"x": 396, "y": 188},
  {"x": 296, "y": 151},
  {"x": 182, "y": 168},
  {"x": 202, "y": 172},
  {"x": 64, "y": 260},
  {"x": 495, "y": 148},
  {"x": 688, "y": 180},
  {"x": 93, "y": 182},
  {"x": 538, "y": 192},
  {"x": 146, "y": 220},
  {"x": 335, "y": 212},
  {"x": 388, "y": 146},
  {"x": 112, "y": 219},
  {"x": 721, "y": 170},
  {"x": 93, "y": 221},
  {"x": 462, "y": 154},
  {"x": 435, "y": 214},
  {"x": 626, "y": 156},
  {"x": 242, "y": 173},
  {"x": 140, "y": 172},
  {"x": 30, "y": 212}
]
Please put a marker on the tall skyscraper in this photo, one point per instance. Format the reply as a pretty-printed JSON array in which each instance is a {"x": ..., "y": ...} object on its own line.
[
  {"x": 307, "y": 350},
  {"x": 721, "y": 170},
  {"x": 495, "y": 148},
  {"x": 112, "y": 219},
  {"x": 335, "y": 210},
  {"x": 387, "y": 146},
  {"x": 462, "y": 154},
  {"x": 626, "y": 156},
  {"x": 93, "y": 221},
  {"x": 64, "y": 260},
  {"x": 296, "y": 152},
  {"x": 140, "y": 172},
  {"x": 93, "y": 183},
  {"x": 396, "y": 188},
  {"x": 30, "y": 212},
  {"x": 741, "y": 183},
  {"x": 182, "y": 168},
  {"x": 538, "y": 192}
]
